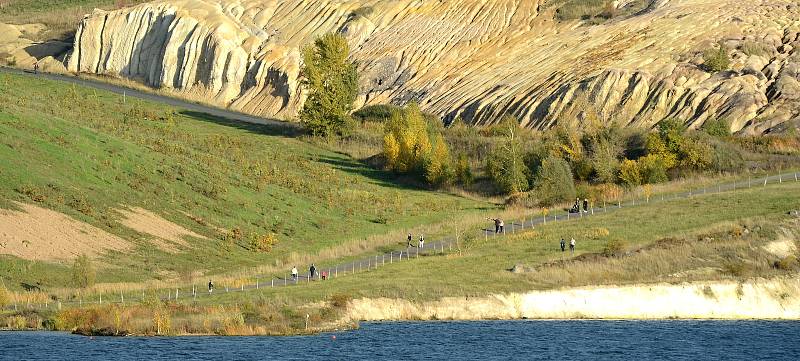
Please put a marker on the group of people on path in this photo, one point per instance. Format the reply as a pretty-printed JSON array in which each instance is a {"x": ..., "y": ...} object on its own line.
[
  {"x": 499, "y": 225},
  {"x": 420, "y": 243},
  {"x": 312, "y": 273},
  {"x": 576, "y": 208}
]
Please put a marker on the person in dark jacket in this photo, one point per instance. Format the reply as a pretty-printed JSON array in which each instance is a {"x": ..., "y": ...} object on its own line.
[
  {"x": 312, "y": 271},
  {"x": 563, "y": 245},
  {"x": 585, "y": 205},
  {"x": 210, "y": 286}
]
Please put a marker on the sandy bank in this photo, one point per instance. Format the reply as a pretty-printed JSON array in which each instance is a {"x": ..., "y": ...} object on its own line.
[{"x": 777, "y": 298}]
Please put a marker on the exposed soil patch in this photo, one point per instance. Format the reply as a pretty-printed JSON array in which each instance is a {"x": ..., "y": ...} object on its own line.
[
  {"x": 41, "y": 234},
  {"x": 169, "y": 236}
]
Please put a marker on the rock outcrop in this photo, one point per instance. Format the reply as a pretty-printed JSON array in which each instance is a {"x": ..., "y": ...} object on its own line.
[
  {"x": 473, "y": 59},
  {"x": 18, "y": 50}
]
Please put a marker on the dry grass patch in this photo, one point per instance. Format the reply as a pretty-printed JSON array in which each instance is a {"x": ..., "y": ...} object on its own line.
[
  {"x": 144, "y": 221},
  {"x": 41, "y": 234}
]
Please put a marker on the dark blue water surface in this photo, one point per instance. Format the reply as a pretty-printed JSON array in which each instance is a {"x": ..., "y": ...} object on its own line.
[{"x": 491, "y": 340}]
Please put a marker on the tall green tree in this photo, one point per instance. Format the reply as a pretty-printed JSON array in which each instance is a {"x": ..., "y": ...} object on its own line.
[
  {"x": 553, "y": 182},
  {"x": 83, "y": 273},
  {"x": 505, "y": 165},
  {"x": 331, "y": 81}
]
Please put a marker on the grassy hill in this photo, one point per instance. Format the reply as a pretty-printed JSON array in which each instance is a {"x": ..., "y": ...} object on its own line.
[{"x": 90, "y": 154}]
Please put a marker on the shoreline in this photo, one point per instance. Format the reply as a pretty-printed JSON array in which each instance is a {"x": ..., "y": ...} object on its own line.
[
  {"x": 754, "y": 299},
  {"x": 758, "y": 299}
]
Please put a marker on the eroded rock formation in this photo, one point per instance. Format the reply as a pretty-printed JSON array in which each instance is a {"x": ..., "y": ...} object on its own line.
[{"x": 474, "y": 59}]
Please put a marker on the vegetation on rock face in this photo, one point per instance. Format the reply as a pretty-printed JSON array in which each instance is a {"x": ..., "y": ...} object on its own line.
[
  {"x": 331, "y": 80},
  {"x": 717, "y": 59}
]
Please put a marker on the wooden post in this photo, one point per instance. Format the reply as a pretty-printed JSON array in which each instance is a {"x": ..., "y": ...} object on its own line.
[
  {"x": 391, "y": 257},
  {"x": 256, "y": 283},
  {"x": 101, "y": 298},
  {"x": 765, "y": 181}
]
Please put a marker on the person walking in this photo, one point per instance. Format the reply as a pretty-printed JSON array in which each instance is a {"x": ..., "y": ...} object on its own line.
[
  {"x": 502, "y": 227},
  {"x": 496, "y": 224},
  {"x": 585, "y": 205},
  {"x": 572, "y": 247},
  {"x": 410, "y": 238},
  {"x": 421, "y": 241},
  {"x": 324, "y": 275},
  {"x": 210, "y": 286},
  {"x": 563, "y": 245},
  {"x": 312, "y": 271},
  {"x": 294, "y": 273}
]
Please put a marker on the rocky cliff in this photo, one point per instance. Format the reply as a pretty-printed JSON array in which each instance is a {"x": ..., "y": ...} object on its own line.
[{"x": 474, "y": 59}]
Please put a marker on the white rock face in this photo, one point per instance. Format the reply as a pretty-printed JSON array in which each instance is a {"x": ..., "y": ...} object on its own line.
[
  {"x": 754, "y": 299},
  {"x": 473, "y": 59}
]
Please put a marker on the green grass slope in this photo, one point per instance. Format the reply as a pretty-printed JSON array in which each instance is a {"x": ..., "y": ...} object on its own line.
[
  {"x": 85, "y": 153},
  {"x": 705, "y": 231}
]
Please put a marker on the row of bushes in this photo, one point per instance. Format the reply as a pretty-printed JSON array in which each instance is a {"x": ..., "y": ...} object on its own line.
[{"x": 550, "y": 165}]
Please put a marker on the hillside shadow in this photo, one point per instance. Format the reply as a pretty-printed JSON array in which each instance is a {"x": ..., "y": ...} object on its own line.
[
  {"x": 269, "y": 127},
  {"x": 345, "y": 164},
  {"x": 377, "y": 176}
]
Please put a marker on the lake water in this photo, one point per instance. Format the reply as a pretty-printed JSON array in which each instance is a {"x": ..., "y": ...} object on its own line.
[{"x": 490, "y": 340}]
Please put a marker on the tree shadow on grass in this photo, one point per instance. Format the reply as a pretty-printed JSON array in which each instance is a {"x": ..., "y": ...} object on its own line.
[
  {"x": 268, "y": 127},
  {"x": 284, "y": 129},
  {"x": 377, "y": 176}
]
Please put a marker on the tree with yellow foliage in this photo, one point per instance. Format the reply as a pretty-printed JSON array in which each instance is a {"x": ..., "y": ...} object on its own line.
[{"x": 411, "y": 146}]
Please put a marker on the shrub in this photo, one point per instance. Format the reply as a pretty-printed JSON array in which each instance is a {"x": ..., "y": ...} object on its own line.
[
  {"x": 653, "y": 168},
  {"x": 5, "y": 296},
  {"x": 614, "y": 248},
  {"x": 406, "y": 142},
  {"x": 331, "y": 80},
  {"x": 694, "y": 153},
  {"x": 717, "y": 127},
  {"x": 81, "y": 204},
  {"x": 716, "y": 60},
  {"x": 629, "y": 173},
  {"x": 553, "y": 182},
  {"x": 463, "y": 171},
  {"x": 263, "y": 243},
  {"x": 735, "y": 268},
  {"x": 83, "y": 273},
  {"x": 376, "y": 113},
  {"x": 438, "y": 170},
  {"x": 726, "y": 157},
  {"x": 788, "y": 263},
  {"x": 33, "y": 192},
  {"x": 340, "y": 300}
]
